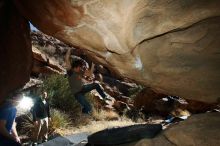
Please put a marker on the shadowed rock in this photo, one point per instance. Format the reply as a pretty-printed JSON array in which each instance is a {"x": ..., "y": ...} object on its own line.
[
  {"x": 198, "y": 130},
  {"x": 15, "y": 49}
]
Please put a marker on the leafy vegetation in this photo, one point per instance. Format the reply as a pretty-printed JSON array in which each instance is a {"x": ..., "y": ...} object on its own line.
[
  {"x": 59, "y": 120},
  {"x": 59, "y": 93}
]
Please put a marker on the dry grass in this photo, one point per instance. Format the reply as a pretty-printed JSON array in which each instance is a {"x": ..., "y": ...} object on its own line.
[
  {"x": 99, "y": 120},
  {"x": 59, "y": 120},
  {"x": 105, "y": 115},
  {"x": 94, "y": 126}
]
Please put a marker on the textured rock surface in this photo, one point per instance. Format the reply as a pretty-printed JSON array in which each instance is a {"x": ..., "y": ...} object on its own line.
[
  {"x": 52, "y": 47},
  {"x": 15, "y": 49},
  {"x": 152, "y": 102},
  {"x": 171, "y": 46},
  {"x": 146, "y": 100},
  {"x": 44, "y": 64},
  {"x": 198, "y": 130}
]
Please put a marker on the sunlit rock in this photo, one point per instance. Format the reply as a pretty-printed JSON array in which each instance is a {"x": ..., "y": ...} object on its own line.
[
  {"x": 198, "y": 130},
  {"x": 44, "y": 64},
  {"x": 171, "y": 46}
]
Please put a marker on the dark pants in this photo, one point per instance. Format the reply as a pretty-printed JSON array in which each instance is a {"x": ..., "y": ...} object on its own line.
[
  {"x": 8, "y": 142},
  {"x": 80, "y": 96}
]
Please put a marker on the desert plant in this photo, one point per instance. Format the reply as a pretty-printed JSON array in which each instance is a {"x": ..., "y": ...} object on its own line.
[
  {"x": 59, "y": 120},
  {"x": 99, "y": 112},
  {"x": 106, "y": 115},
  {"x": 59, "y": 93},
  {"x": 25, "y": 124},
  {"x": 133, "y": 92},
  {"x": 93, "y": 99}
]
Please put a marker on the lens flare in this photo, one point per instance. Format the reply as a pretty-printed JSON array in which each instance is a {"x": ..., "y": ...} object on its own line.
[{"x": 26, "y": 103}]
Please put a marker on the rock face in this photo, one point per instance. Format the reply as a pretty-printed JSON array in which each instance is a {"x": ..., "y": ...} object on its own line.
[
  {"x": 44, "y": 64},
  {"x": 15, "y": 49},
  {"x": 146, "y": 99},
  {"x": 198, "y": 130},
  {"x": 151, "y": 102},
  {"x": 52, "y": 47},
  {"x": 171, "y": 46}
]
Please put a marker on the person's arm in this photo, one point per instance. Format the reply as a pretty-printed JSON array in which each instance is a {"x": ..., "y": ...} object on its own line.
[
  {"x": 4, "y": 132},
  {"x": 89, "y": 73},
  {"x": 92, "y": 68},
  {"x": 34, "y": 112},
  {"x": 14, "y": 132},
  {"x": 67, "y": 59},
  {"x": 48, "y": 111}
]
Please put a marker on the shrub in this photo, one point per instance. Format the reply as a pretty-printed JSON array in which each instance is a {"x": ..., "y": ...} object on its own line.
[
  {"x": 59, "y": 120},
  {"x": 25, "y": 124},
  {"x": 59, "y": 93},
  {"x": 133, "y": 92},
  {"x": 99, "y": 112}
]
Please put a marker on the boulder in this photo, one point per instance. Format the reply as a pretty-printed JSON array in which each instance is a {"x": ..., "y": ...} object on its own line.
[
  {"x": 44, "y": 64},
  {"x": 198, "y": 130},
  {"x": 152, "y": 102},
  {"x": 120, "y": 106},
  {"x": 15, "y": 49},
  {"x": 52, "y": 47},
  {"x": 199, "y": 107},
  {"x": 116, "y": 84},
  {"x": 147, "y": 100},
  {"x": 171, "y": 46},
  {"x": 33, "y": 83}
]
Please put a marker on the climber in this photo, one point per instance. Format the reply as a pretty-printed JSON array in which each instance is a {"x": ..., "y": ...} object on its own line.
[{"x": 80, "y": 83}]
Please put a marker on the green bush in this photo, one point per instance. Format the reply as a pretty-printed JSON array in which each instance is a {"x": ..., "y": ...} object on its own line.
[
  {"x": 59, "y": 93},
  {"x": 59, "y": 120}
]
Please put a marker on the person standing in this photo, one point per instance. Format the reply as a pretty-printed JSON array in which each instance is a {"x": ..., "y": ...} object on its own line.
[
  {"x": 8, "y": 132},
  {"x": 41, "y": 118},
  {"x": 78, "y": 80}
]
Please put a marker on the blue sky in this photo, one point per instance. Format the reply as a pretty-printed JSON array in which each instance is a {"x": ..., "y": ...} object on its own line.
[{"x": 32, "y": 27}]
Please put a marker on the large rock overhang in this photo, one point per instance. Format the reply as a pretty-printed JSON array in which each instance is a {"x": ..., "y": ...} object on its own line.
[
  {"x": 15, "y": 49},
  {"x": 171, "y": 46}
]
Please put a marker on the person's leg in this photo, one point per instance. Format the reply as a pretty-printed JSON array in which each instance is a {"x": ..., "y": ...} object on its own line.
[
  {"x": 36, "y": 131},
  {"x": 44, "y": 129},
  {"x": 92, "y": 86},
  {"x": 86, "y": 107}
]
